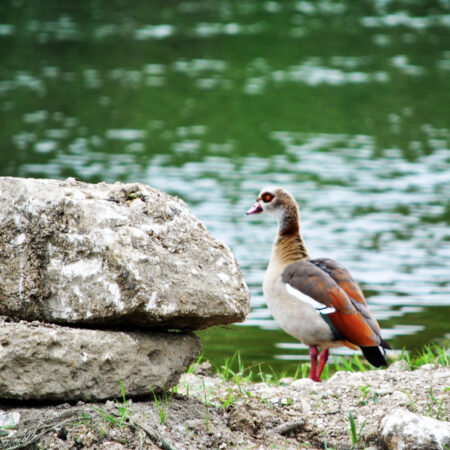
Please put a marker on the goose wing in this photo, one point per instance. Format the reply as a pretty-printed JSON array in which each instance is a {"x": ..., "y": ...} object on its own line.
[{"x": 328, "y": 286}]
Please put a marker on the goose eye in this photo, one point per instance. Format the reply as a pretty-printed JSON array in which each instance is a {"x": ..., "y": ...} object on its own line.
[{"x": 267, "y": 197}]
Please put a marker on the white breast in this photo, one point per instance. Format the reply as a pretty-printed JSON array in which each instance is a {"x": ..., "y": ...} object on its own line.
[{"x": 296, "y": 316}]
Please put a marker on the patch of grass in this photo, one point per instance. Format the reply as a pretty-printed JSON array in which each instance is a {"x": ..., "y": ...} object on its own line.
[
  {"x": 352, "y": 364},
  {"x": 207, "y": 405},
  {"x": 363, "y": 400},
  {"x": 110, "y": 418},
  {"x": 233, "y": 368},
  {"x": 5, "y": 431},
  {"x": 303, "y": 371},
  {"x": 271, "y": 377},
  {"x": 434, "y": 406},
  {"x": 122, "y": 407},
  {"x": 191, "y": 368},
  {"x": 229, "y": 372},
  {"x": 163, "y": 404},
  {"x": 430, "y": 354},
  {"x": 355, "y": 434},
  {"x": 85, "y": 419},
  {"x": 406, "y": 356},
  {"x": 229, "y": 400},
  {"x": 124, "y": 413},
  {"x": 411, "y": 404},
  {"x": 366, "y": 396}
]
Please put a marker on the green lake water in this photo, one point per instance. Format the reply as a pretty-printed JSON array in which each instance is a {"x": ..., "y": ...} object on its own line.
[{"x": 344, "y": 103}]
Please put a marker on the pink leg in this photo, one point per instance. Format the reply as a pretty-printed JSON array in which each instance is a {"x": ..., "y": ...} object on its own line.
[
  {"x": 323, "y": 360},
  {"x": 313, "y": 352}
]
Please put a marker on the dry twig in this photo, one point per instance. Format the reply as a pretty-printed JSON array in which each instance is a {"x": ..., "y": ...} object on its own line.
[{"x": 286, "y": 428}]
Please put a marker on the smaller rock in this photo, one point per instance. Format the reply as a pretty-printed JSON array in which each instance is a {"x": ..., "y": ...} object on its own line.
[
  {"x": 241, "y": 419},
  {"x": 9, "y": 421},
  {"x": 400, "y": 398},
  {"x": 428, "y": 367},
  {"x": 203, "y": 369},
  {"x": 303, "y": 383},
  {"x": 398, "y": 366},
  {"x": 56, "y": 363},
  {"x": 87, "y": 439},
  {"x": 344, "y": 378},
  {"x": 403, "y": 429},
  {"x": 306, "y": 405}
]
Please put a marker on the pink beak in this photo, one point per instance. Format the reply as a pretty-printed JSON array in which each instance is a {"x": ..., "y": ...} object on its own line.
[{"x": 255, "y": 209}]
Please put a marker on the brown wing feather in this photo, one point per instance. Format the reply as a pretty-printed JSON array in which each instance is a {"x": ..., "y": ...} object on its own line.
[
  {"x": 345, "y": 281},
  {"x": 350, "y": 317},
  {"x": 312, "y": 281},
  {"x": 342, "y": 277}
]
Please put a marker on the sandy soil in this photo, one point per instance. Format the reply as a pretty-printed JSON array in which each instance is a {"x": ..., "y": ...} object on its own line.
[{"x": 205, "y": 412}]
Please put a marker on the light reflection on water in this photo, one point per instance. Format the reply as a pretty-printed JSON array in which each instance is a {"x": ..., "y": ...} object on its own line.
[
  {"x": 345, "y": 108},
  {"x": 400, "y": 271},
  {"x": 387, "y": 251}
]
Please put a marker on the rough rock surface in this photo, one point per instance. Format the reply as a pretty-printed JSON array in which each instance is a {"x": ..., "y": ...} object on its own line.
[
  {"x": 401, "y": 429},
  {"x": 207, "y": 412},
  {"x": 52, "y": 362},
  {"x": 112, "y": 254}
]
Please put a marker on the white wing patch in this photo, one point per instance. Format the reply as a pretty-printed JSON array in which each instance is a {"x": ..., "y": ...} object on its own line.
[{"x": 320, "y": 307}]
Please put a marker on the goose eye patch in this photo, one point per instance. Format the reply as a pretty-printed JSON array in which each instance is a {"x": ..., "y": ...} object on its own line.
[{"x": 267, "y": 197}]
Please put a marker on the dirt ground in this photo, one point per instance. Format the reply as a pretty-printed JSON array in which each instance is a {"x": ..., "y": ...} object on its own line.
[{"x": 205, "y": 412}]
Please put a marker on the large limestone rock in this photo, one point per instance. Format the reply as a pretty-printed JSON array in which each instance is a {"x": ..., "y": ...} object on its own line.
[
  {"x": 51, "y": 362},
  {"x": 120, "y": 254}
]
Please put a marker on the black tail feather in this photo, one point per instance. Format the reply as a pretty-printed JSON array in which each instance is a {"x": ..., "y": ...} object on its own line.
[{"x": 374, "y": 356}]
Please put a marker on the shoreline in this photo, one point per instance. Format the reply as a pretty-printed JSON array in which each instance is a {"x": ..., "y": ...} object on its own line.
[{"x": 205, "y": 411}]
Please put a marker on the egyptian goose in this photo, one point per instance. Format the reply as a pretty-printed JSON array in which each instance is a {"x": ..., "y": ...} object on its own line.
[{"x": 314, "y": 300}]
